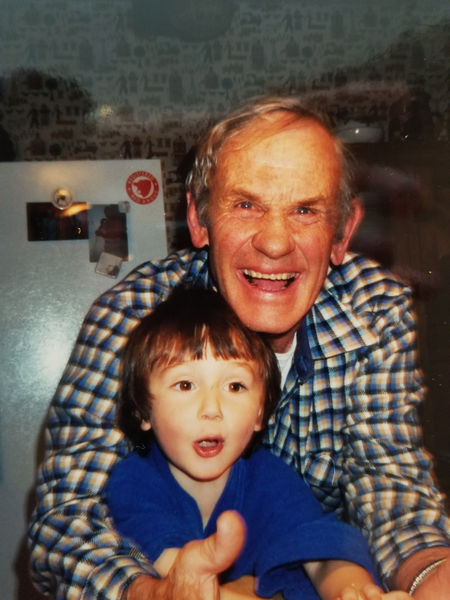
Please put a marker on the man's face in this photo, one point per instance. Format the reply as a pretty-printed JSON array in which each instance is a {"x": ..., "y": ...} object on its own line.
[{"x": 273, "y": 211}]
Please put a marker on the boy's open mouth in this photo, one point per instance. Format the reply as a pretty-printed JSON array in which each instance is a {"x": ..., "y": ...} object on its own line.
[
  {"x": 208, "y": 447},
  {"x": 208, "y": 443}
]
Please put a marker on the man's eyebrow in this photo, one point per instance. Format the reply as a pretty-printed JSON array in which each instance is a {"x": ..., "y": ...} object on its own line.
[
  {"x": 318, "y": 203},
  {"x": 239, "y": 191},
  {"x": 312, "y": 200}
]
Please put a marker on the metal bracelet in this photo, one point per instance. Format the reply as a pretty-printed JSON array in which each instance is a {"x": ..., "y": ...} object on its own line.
[{"x": 424, "y": 574}]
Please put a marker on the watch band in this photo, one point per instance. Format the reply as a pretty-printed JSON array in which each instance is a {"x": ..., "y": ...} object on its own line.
[{"x": 423, "y": 574}]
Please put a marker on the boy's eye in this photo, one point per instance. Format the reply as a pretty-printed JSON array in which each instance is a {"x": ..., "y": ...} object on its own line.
[
  {"x": 236, "y": 386},
  {"x": 184, "y": 386}
]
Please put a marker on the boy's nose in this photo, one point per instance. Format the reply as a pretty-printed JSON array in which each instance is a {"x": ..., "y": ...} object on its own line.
[{"x": 210, "y": 406}]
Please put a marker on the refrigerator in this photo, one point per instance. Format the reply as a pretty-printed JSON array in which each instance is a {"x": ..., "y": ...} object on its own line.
[{"x": 69, "y": 230}]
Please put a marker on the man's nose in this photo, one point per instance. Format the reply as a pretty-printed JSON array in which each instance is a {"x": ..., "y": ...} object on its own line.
[
  {"x": 273, "y": 236},
  {"x": 210, "y": 406}
]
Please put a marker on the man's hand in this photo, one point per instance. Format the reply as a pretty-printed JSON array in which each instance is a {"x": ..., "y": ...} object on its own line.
[{"x": 193, "y": 575}]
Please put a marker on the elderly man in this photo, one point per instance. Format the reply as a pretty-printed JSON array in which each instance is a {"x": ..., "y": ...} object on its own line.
[{"x": 271, "y": 211}]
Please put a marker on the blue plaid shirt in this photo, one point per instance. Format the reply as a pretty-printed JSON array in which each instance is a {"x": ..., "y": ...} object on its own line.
[{"x": 347, "y": 422}]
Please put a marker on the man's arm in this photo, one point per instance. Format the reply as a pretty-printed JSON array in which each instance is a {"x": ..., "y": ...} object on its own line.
[
  {"x": 74, "y": 549},
  {"x": 388, "y": 479},
  {"x": 429, "y": 570}
]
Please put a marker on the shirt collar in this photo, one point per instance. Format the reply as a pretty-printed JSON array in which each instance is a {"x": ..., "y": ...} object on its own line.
[
  {"x": 330, "y": 328},
  {"x": 333, "y": 325},
  {"x": 303, "y": 359},
  {"x": 199, "y": 275}
]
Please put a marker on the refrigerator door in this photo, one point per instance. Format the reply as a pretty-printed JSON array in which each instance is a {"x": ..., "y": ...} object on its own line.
[{"x": 46, "y": 289}]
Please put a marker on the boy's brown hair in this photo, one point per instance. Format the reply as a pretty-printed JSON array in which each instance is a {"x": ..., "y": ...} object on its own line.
[{"x": 182, "y": 328}]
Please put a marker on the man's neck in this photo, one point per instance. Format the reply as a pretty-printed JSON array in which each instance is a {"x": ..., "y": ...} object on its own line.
[{"x": 280, "y": 343}]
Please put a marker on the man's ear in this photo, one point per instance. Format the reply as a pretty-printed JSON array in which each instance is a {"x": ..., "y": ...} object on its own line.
[
  {"x": 199, "y": 232},
  {"x": 146, "y": 425},
  {"x": 340, "y": 248}
]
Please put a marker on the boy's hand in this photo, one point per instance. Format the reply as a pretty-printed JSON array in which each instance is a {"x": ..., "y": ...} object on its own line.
[
  {"x": 242, "y": 589},
  {"x": 372, "y": 592}
]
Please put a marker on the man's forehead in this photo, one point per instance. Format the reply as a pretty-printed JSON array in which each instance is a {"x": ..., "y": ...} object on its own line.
[
  {"x": 269, "y": 125},
  {"x": 287, "y": 151}
]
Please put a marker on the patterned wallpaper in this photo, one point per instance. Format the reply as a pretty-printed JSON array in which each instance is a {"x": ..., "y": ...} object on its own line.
[{"x": 109, "y": 79}]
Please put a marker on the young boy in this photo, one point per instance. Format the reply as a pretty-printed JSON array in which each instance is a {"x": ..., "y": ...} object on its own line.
[{"x": 197, "y": 390}]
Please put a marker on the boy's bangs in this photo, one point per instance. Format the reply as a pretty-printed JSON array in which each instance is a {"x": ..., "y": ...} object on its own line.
[{"x": 194, "y": 344}]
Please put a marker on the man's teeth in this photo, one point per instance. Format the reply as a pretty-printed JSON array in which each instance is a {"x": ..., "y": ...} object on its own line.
[{"x": 270, "y": 276}]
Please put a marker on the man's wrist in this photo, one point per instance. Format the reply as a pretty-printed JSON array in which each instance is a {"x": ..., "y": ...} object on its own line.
[
  {"x": 424, "y": 573},
  {"x": 415, "y": 564},
  {"x": 141, "y": 587}
]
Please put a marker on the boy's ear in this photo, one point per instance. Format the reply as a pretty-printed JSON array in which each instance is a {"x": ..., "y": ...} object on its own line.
[
  {"x": 146, "y": 425},
  {"x": 258, "y": 425},
  {"x": 199, "y": 232}
]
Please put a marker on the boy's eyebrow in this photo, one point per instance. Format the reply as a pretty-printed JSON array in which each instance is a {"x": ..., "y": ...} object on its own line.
[
  {"x": 244, "y": 362},
  {"x": 171, "y": 364},
  {"x": 239, "y": 361}
]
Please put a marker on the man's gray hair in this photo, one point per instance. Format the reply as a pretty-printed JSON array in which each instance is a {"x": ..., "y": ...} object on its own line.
[{"x": 296, "y": 108}]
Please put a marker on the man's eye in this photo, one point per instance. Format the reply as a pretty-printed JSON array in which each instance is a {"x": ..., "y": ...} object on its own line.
[
  {"x": 184, "y": 386},
  {"x": 307, "y": 214},
  {"x": 236, "y": 386},
  {"x": 245, "y": 204},
  {"x": 304, "y": 210}
]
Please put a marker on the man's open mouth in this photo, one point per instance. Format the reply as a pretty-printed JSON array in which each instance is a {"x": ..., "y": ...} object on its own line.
[{"x": 269, "y": 281}]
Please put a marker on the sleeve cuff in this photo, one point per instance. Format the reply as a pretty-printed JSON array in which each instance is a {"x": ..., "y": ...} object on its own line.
[
  {"x": 112, "y": 578},
  {"x": 391, "y": 553}
]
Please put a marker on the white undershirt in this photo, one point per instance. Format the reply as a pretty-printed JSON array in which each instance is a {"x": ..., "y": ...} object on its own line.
[{"x": 285, "y": 361}]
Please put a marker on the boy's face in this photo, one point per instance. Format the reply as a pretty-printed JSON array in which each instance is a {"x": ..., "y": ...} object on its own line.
[{"x": 204, "y": 413}]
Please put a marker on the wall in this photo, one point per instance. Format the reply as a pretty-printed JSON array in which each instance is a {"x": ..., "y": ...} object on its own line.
[
  {"x": 141, "y": 78},
  {"x": 111, "y": 79}
]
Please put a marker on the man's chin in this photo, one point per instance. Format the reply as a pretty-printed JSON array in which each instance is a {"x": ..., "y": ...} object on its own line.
[{"x": 279, "y": 339}]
